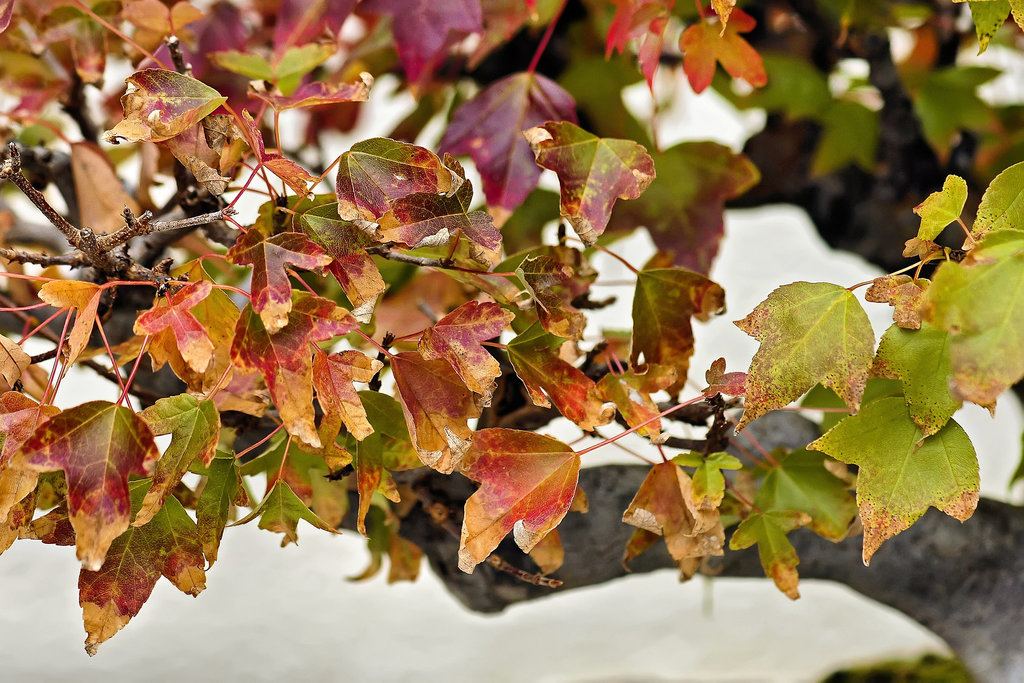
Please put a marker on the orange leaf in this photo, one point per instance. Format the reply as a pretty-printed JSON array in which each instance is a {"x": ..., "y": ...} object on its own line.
[{"x": 704, "y": 44}]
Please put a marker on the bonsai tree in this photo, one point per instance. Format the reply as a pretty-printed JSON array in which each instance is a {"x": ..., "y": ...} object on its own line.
[{"x": 382, "y": 330}]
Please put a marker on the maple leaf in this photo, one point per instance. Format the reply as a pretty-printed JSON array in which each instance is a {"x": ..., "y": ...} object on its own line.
[
  {"x": 902, "y": 472},
  {"x": 351, "y": 265},
  {"x": 489, "y": 129},
  {"x": 300, "y": 21},
  {"x": 375, "y": 172},
  {"x": 154, "y": 20},
  {"x": 84, "y": 297},
  {"x": 195, "y": 429},
  {"x": 190, "y": 336},
  {"x": 904, "y": 294},
  {"x": 437, "y": 405},
  {"x": 296, "y": 177},
  {"x": 527, "y": 484},
  {"x": 778, "y": 556},
  {"x": 222, "y": 489},
  {"x": 631, "y": 393},
  {"x": 592, "y": 173},
  {"x": 708, "y": 483},
  {"x": 163, "y": 104},
  {"x": 17, "y": 521},
  {"x": 921, "y": 361},
  {"x": 280, "y": 512},
  {"x": 683, "y": 209},
  {"x": 284, "y": 358},
  {"x": 285, "y": 69},
  {"x": 422, "y": 28},
  {"x": 534, "y": 356},
  {"x": 722, "y": 382},
  {"x": 315, "y": 94},
  {"x": 551, "y": 284},
  {"x": 371, "y": 477},
  {"x": 664, "y": 505},
  {"x": 101, "y": 194},
  {"x": 270, "y": 258},
  {"x": 13, "y": 361},
  {"x": 664, "y": 302},
  {"x": 644, "y": 19},
  {"x": 984, "y": 339},
  {"x": 168, "y": 545},
  {"x": 20, "y": 416},
  {"x": 333, "y": 377},
  {"x": 456, "y": 338},
  {"x": 703, "y": 44},
  {"x": 810, "y": 332},
  {"x": 1002, "y": 205},
  {"x": 193, "y": 150},
  {"x": 98, "y": 445},
  {"x": 801, "y": 482},
  {"x": 941, "y": 208},
  {"x": 640, "y": 541},
  {"x": 426, "y": 219}
]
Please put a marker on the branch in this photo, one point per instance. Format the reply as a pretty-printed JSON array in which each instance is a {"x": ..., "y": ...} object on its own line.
[{"x": 11, "y": 170}]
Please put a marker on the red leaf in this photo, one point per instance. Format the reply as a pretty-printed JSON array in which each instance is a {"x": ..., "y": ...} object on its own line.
[
  {"x": 631, "y": 393},
  {"x": 488, "y": 128},
  {"x": 704, "y": 43},
  {"x": 19, "y": 418},
  {"x": 164, "y": 104},
  {"x": 375, "y": 172},
  {"x": 284, "y": 358},
  {"x": 301, "y": 21},
  {"x": 422, "y": 28},
  {"x": 553, "y": 290},
  {"x": 6, "y": 12},
  {"x": 98, "y": 445},
  {"x": 437, "y": 406},
  {"x": 269, "y": 258},
  {"x": 333, "y": 377},
  {"x": 456, "y": 338},
  {"x": 640, "y": 19},
  {"x": 527, "y": 484},
  {"x": 192, "y": 340},
  {"x": 315, "y": 94},
  {"x": 592, "y": 173},
  {"x": 115, "y": 592},
  {"x": 534, "y": 355},
  {"x": 722, "y": 382},
  {"x": 287, "y": 170}
]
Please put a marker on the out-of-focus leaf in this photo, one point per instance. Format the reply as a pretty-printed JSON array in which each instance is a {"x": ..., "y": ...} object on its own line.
[{"x": 703, "y": 44}]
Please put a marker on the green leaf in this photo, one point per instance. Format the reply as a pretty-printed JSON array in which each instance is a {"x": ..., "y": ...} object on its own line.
[
  {"x": 195, "y": 429},
  {"x": 920, "y": 360},
  {"x": 823, "y": 397},
  {"x": 980, "y": 302},
  {"x": 850, "y": 137},
  {"x": 810, "y": 332},
  {"x": 989, "y": 16},
  {"x": 1002, "y": 205},
  {"x": 802, "y": 482},
  {"x": 281, "y": 511},
  {"x": 902, "y": 472},
  {"x": 708, "y": 482},
  {"x": 948, "y": 103},
  {"x": 778, "y": 556},
  {"x": 941, "y": 208},
  {"x": 221, "y": 490}
]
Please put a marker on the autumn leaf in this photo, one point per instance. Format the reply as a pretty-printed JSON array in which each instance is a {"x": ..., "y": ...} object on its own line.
[
  {"x": 703, "y": 44},
  {"x": 284, "y": 358},
  {"x": 284, "y": 69},
  {"x": 708, "y": 482},
  {"x": 333, "y": 378},
  {"x": 315, "y": 93},
  {"x": 270, "y": 258},
  {"x": 592, "y": 173},
  {"x": 194, "y": 427},
  {"x": 664, "y": 303},
  {"x": 84, "y": 297},
  {"x": 425, "y": 219},
  {"x": 810, "y": 332},
  {"x": 375, "y": 172},
  {"x": 551, "y": 284},
  {"x": 489, "y": 129},
  {"x": 527, "y": 483},
  {"x": 296, "y": 177},
  {"x": 13, "y": 361},
  {"x": 300, "y": 21},
  {"x": 17, "y": 521},
  {"x": 921, "y": 361},
  {"x": 941, "y": 208},
  {"x": 280, "y": 512},
  {"x": 222, "y": 489},
  {"x": 800, "y": 481},
  {"x": 1002, "y": 205},
  {"x": 904, "y": 294},
  {"x": 423, "y": 28},
  {"x": 98, "y": 445},
  {"x": 371, "y": 477},
  {"x": 192, "y": 148},
  {"x": 778, "y": 556},
  {"x": 437, "y": 406},
  {"x": 902, "y": 472},
  {"x": 20, "y": 416},
  {"x": 456, "y": 338},
  {"x": 192, "y": 340},
  {"x": 101, "y": 194},
  {"x": 630, "y": 391},
  {"x": 664, "y": 505},
  {"x": 645, "y": 20},
  {"x": 722, "y": 382},
  {"x": 984, "y": 339},
  {"x": 168, "y": 545},
  {"x": 162, "y": 105},
  {"x": 684, "y": 208},
  {"x": 534, "y": 355}
]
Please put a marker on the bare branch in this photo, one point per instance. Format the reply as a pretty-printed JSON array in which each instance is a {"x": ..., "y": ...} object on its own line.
[{"x": 11, "y": 170}]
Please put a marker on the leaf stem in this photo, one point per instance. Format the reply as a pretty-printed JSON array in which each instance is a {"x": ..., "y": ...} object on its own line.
[
  {"x": 897, "y": 272},
  {"x": 542, "y": 45},
  {"x": 135, "y": 369},
  {"x": 260, "y": 442}
]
